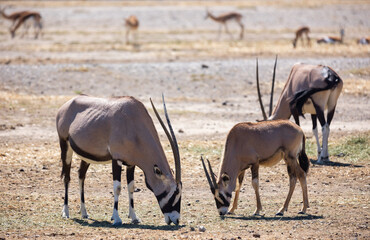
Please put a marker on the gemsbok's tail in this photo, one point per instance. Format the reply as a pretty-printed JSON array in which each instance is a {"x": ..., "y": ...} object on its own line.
[{"x": 302, "y": 157}]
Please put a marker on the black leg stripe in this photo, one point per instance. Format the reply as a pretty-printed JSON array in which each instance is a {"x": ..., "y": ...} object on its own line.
[
  {"x": 116, "y": 205},
  {"x": 132, "y": 202}
]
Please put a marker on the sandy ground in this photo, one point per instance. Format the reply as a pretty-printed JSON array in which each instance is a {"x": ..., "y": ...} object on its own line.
[{"x": 209, "y": 84}]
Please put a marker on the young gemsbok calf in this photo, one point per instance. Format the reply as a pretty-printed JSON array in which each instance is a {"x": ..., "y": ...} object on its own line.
[
  {"x": 309, "y": 89},
  {"x": 121, "y": 132},
  {"x": 250, "y": 145}
]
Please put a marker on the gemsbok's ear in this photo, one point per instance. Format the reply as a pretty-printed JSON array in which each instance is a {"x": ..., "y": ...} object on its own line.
[{"x": 225, "y": 179}]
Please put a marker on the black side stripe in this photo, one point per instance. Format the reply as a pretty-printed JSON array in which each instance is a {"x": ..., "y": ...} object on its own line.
[{"x": 87, "y": 155}]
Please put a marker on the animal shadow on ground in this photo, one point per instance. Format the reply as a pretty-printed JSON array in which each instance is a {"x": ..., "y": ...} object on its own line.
[
  {"x": 276, "y": 218},
  {"x": 334, "y": 164},
  {"x": 95, "y": 223}
]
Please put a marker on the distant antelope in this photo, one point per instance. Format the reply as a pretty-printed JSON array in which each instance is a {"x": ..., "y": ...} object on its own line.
[
  {"x": 228, "y": 17},
  {"x": 131, "y": 24},
  {"x": 30, "y": 16},
  {"x": 23, "y": 18},
  {"x": 309, "y": 89},
  {"x": 364, "y": 40},
  {"x": 299, "y": 35},
  {"x": 12, "y": 17},
  {"x": 250, "y": 145},
  {"x": 121, "y": 132},
  {"x": 332, "y": 39}
]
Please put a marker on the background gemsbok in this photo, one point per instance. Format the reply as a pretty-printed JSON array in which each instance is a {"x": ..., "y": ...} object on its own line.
[
  {"x": 227, "y": 17},
  {"x": 250, "y": 145},
  {"x": 121, "y": 132},
  {"x": 309, "y": 89}
]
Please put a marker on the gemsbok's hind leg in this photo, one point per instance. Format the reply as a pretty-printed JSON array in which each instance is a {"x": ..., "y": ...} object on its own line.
[
  {"x": 81, "y": 177},
  {"x": 255, "y": 184},
  {"x": 237, "y": 191},
  {"x": 131, "y": 189},
  {"x": 303, "y": 182},
  {"x": 316, "y": 133},
  {"x": 66, "y": 156},
  {"x": 292, "y": 166},
  {"x": 117, "y": 170}
]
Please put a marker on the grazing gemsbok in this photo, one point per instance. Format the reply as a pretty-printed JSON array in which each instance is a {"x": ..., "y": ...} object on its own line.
[
  {"x": 332, "y": 39},
  {"x": 250, "y": 145},
  {"x": 299, "y": 35},
  {"x": 131, "y": 24},
  {"x": 119, "y": 131},
  {"x": 309, "y": 89},
  {"x": 228, "y": 17}
]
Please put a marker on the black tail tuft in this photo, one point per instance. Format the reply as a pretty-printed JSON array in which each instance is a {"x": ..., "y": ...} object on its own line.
[{"x": 303, "y": 159}]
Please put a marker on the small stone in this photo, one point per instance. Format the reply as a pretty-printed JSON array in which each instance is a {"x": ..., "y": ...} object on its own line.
[
  {"x": 202, "y": 229},
  {"x": 181, "y": 131},
  {"x": 256, "y": 235},
  {"x": 21, "y": 170},
  {"x": 192, "y": 229},
  {"x": 204, "y": 66}
]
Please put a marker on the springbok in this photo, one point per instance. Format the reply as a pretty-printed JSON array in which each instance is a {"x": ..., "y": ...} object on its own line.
[
  {"x": 121, "y": 132},
  {"x": 131, "y": 24},
  {"x": 332, "y": 39},
  {"x": 363, "y": 40},
  {"x": 12, "y": 17},
  {"x": 309, "y": 89},
  {"x": 250, "y": 145},
  {"x": 23, "y": 19},
  {"x": 299, "y": 35},
  {"x": 223, "y": 19}
]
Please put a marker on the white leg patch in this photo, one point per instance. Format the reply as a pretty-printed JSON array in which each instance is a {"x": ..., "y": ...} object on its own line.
[
  {"x": 116, "y": 219},
  {"x": 116, "y": 189},
  {"x": 65, "y": 211},
  {"x": 132, "y": 214},
  {"x": 316, "y": 134},
  {"x": 325, "y": 136},
  {"x": 83, "y": 211},
  {"x": 173, "y": 216}
]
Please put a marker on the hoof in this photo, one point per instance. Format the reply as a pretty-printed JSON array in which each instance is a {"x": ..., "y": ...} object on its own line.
[
  {"x": 230, "y": 213},
  {"x": 135, "y": 221},
  {"x": 117, "y": 224},
  {"x": 301, "y": 212},
  {"x": 85, "y": 216},
  {"x": 279, "y": 214}
]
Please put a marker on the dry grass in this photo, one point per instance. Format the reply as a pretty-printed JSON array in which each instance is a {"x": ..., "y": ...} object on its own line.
[{"x": 32, "y": 199}]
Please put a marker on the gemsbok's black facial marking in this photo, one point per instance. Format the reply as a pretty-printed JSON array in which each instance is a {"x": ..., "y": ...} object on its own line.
[{"x": 171, "y": 205}]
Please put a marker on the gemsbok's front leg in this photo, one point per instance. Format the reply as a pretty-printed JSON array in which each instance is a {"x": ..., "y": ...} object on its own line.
[
  {"x": 255, "y": 184},
  {"x": 117, "y": 169},
  {"x": 130, "y": 174},
  {"x": 237, "y": 191},
  {"x": 81, "y": 176},
  {"x": 66, "y": 156}
]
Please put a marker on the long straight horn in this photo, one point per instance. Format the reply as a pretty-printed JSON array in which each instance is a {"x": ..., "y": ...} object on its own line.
[
  {"x": 175, "y": 148},
  {"x": 212, "y": 175},
  {"x": 173, "y": 143},
  {"x": 259, "y": 92},
  {"x": 272, "y": 88},
  {"x": 207, "y": 176}
]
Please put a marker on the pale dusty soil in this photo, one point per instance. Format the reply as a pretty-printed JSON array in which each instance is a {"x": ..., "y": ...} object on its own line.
[{"x": 83, "y": 51}]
